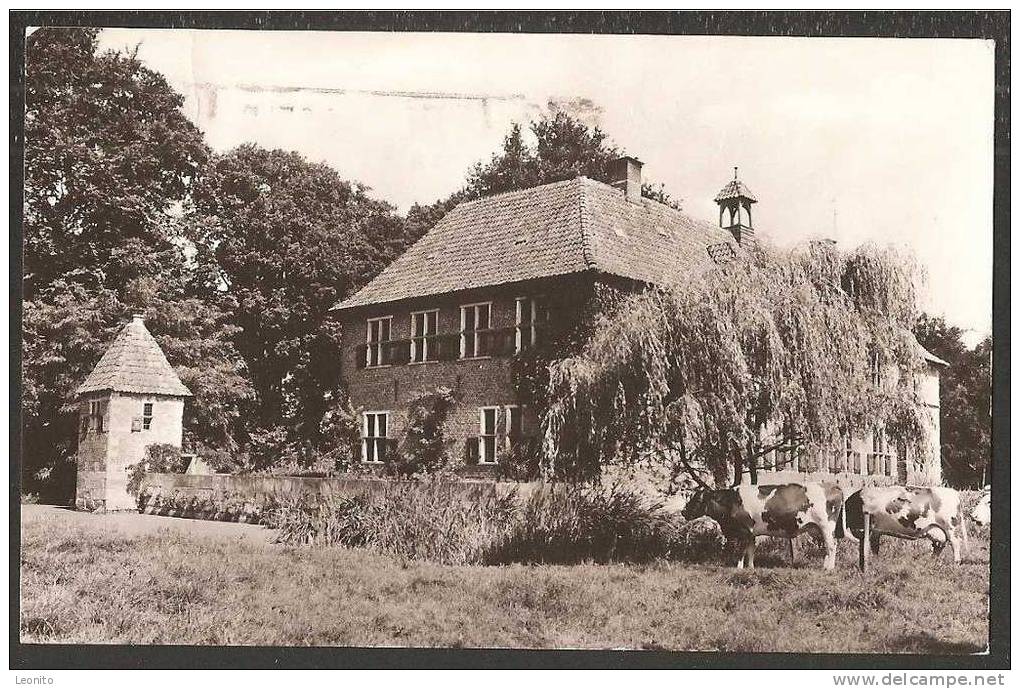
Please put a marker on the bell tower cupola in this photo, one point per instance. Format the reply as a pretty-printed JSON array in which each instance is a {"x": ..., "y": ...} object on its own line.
[{"x": 735, "y": 201}]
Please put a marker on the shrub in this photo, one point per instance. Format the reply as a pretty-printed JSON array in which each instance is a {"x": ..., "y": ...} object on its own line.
[
  {"x": 574, "y": 522},
  {"x": 425, "y": 448},
  {"x": 454, "y": 523},
  {"x": 160, "y": 458},
  {"x": 432, "y": 519},
  {"x": 520, "y": 462}
]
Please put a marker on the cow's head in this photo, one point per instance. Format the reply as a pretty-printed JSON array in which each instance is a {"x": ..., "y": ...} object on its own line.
[{"x": 703, "y": 503}]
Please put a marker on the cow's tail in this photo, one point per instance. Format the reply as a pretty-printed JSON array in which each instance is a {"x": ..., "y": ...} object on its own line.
[{"x": 963, "y": 527}]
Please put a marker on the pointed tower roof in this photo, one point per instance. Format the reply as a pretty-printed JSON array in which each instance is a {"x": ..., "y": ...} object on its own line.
[
  {"x": 735, "y": 189},
  {"x": 134, "y": 363}
]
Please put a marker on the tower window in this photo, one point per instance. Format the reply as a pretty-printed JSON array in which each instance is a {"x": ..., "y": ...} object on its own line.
[{"x": 97, "y": 413}]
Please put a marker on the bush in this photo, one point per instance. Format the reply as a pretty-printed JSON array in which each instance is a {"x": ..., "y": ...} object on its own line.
[
  {"x": 520, "y": 462},
  {"x": 425, "y": 448},
  {"x": 422, "y": 520},
  {"x": 160, "y": 458},
  {"x": 450, "y": 523},
  {"x": 567, "y": 523}
]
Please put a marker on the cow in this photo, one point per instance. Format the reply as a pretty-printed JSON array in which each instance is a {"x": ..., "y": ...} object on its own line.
[
  {"x": 982, "y": 512},
  {"x": 746, "y": 512},
  {"x": 909, "y": 512}
]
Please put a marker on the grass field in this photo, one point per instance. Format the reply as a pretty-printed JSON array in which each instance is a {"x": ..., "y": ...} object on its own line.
[{"x": 84, "y": 581}]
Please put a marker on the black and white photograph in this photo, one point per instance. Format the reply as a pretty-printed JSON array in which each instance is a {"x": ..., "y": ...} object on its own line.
[{"x": 445, "y": 335}]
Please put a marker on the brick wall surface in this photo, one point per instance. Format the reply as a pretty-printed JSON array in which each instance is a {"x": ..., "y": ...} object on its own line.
[{"x": 476, "y": 382}]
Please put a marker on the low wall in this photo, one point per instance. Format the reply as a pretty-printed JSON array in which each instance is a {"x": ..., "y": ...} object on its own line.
[
  {"x": 848, "y": 482},
  {"x": 253, "y": 487}
]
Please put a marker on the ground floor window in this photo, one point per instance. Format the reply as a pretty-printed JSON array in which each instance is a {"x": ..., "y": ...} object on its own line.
[
  {"x": 373, "y": 436},
  {"x": 487, "y": 434}
]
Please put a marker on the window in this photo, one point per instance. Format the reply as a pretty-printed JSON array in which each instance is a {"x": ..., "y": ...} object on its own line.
[
  {"x": 487, "y": 435},
  {"x": 881, "y": 457},
  {"x": 97, "y": 413},
  {"x": 424, "y": 325},
  {"x": 475, "y": 320},
  {"x": 379, "y": 330},
  {"x": 876, "y": 371},
  {"x": 373, "y": 436},
  {"x": 147, "y": 416},
  {"x": 531, "y": 319}
]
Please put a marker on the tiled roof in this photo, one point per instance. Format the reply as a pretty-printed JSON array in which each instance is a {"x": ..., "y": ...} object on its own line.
[
  {"x": 134, "y": 363},
  {"x": 554, "y": 229},
  {"x": 735, "y": 189}
]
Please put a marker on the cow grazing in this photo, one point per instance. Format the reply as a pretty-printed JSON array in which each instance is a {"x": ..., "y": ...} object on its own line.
[
  {"x": 982, "y": 512},
  {"x": 786, "y": 510},
  {"x": 909, "y": 512}
]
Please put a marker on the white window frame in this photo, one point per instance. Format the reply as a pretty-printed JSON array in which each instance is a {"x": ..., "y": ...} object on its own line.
[
  {"x": 482, "y": 435},
  {"x": 97, "y": 411},
  {"x": 463, "y": 332},
  {"x": 519, "y": 303},
  {"x": 424, "y": 337},
  {"x": 366, "y": 437},
  {"x": 376, "y": 345}
]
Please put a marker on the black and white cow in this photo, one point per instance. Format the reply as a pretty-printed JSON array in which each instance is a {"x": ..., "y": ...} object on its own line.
[
  {"x": 982, "y": 512},
  {"x": 746, "y": 512},
  {"x": 909, "y": 512}
]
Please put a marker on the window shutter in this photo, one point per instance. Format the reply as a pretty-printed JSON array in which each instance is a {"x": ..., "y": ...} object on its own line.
[
  {"x": 361, "y": 355},
  {"x": 136, "y": 424},
  {"x": 471, "y": 450}
]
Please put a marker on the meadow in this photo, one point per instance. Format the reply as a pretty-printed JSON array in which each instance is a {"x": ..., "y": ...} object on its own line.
[{"x": 85, "y": 581}]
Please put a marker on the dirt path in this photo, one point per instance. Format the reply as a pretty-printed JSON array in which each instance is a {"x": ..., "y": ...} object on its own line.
[{"x": 133, "y": 524}]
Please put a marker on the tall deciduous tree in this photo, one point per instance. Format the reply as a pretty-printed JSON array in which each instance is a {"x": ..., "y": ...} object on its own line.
[
  {"x": 775, "y": 350},
  {"x": 564, "y": 147},
  {"x": 108, "y": 157},
  {"x": 965, "y": 401},
  {"x": 109, "y": 163},
  {"x": 288, "y": 238}
]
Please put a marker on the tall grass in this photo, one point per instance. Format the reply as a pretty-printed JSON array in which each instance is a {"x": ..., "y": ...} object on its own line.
[
  {"x": 427, "y": 520},
  {"x": 433, "y": 520}
]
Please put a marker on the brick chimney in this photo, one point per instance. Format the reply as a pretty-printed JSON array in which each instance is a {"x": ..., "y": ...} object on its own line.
[{"x": 625, "y": 174}]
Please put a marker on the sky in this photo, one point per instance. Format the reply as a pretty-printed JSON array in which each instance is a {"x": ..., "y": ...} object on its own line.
[{"x": 856, "y": 139}]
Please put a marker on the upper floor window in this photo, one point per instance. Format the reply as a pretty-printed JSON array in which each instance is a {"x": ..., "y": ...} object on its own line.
[
  {"x": 531, "y": 318},
  {"x": 379, "y": 333},
  {"x": 475, "y": 322},
  {"x": 424, "y": 327},
  {"x": 147, "y": 416},
  {"x": 374, "y": 434},
  {"x": 97, "y": 414}
]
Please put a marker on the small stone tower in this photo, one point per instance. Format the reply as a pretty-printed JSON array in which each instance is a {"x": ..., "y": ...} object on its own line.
[
  {"x": 132, "y": 399},
  {"x": 736, "y": 198}
]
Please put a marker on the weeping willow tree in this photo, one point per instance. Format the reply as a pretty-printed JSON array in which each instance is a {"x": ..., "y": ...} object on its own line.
[{"x": 788, "y": 350}]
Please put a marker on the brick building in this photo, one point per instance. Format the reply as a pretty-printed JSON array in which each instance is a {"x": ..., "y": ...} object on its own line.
[
  {"x": 132, "y": 399},
  {"x": 498, "y": 275}
]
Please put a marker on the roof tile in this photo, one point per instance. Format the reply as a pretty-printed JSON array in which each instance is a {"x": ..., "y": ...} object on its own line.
[{"x": 134, "y": 363}]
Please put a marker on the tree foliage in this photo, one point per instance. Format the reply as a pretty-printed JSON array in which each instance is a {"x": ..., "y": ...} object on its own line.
[
  {"x": 564, "y": 148},
  {"x": 774, "y": 350},
  {"x": 109, "y": 164},
  {"x": 285, "y": 240},
  {"x": 965, "y": 401},
  {"x": 108, "y": 155}
]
